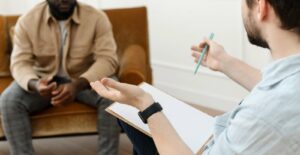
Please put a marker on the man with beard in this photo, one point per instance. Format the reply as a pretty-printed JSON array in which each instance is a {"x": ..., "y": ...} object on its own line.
[
  {"x": 266, "y": 122},
  {"x": 59, "y": 47}
]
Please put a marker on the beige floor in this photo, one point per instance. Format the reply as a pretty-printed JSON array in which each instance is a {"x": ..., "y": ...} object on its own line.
[{"x": 79, "y": 145}]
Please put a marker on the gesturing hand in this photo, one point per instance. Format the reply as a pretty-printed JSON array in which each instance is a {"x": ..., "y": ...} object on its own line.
[
  {"x": 216, "y": 55},
  {"x": 123, "y": 93}
]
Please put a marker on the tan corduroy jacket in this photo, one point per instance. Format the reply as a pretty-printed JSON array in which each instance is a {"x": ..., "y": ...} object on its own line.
[{"x": 89, "y": 49}]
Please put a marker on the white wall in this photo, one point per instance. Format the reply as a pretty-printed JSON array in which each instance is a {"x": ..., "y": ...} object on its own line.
[
  {"x": 12, "y": 7},
  {"x": 174, "y": 26}
]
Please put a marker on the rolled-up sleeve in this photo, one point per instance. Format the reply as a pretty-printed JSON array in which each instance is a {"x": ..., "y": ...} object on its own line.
[{"x": 247, "y": 134}]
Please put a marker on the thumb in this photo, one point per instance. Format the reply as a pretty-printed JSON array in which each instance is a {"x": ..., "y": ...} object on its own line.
[
  {"x": 208, "y": 41},
  {"x": 47, "y": 80},
  {"x": 113, "y": 84},
  {"x": 52, "y": 86},
  {"x": 203, "y": 43}
]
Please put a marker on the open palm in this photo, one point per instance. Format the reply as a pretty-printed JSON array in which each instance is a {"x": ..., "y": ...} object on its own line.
[{"x": 121, "y": 92}]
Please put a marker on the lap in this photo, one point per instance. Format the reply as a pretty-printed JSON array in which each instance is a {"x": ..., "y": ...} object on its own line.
[
  {"x": 142, "y": 144},
  {"x": 14, "y": 95}
]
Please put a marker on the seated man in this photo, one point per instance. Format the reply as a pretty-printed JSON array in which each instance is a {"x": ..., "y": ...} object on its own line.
[
  {"x": 59, "y": 46},
  {"x": 267, "y": 121}
]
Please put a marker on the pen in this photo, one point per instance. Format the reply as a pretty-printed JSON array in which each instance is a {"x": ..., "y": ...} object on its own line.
[{"x": 204, "y": 51}]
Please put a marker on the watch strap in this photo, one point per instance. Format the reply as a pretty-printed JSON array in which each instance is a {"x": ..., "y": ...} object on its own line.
[{"x": 152, "y": 109}]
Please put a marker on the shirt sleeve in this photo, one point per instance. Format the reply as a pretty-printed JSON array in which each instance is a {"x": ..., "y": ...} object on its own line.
[
  {"x": 104, "y": 50},
  {"x": 22, "y": 58},
  {"x": 247, "y": 134}
]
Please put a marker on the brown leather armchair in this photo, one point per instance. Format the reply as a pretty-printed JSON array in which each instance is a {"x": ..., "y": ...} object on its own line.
[{"x": 131, "y": 33}]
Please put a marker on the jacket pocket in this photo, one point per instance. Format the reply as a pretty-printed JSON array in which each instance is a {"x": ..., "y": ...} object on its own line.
[
  {"x": 45, "y": 57},
  {"x": 79, "y": 60},
  {"x": 80, "y": 52}
]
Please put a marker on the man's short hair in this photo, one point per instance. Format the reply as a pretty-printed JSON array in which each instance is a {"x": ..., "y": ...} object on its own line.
[{"x": 288, "y": 12}]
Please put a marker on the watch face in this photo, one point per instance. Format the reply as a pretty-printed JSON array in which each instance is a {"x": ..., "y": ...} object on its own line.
[{"x": 142, "y": 118}]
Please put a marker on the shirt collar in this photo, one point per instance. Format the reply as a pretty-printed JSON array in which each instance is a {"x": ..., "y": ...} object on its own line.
[
  {"x": 280, "y": 69},
  {"x": 75, "y": 16}
]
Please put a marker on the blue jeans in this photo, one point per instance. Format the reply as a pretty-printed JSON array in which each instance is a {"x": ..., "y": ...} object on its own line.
[
  {"x": 16, "y": 106},
  {"x": 142, "y": 144}
]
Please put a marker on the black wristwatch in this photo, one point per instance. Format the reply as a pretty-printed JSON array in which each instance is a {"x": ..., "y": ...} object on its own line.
[{"x": 152, "y": 109}]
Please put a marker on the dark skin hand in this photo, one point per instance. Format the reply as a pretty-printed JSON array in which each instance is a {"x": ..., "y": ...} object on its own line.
[
  {"x": 66, "y": 93},
  {"x": 43, "y": 87}
]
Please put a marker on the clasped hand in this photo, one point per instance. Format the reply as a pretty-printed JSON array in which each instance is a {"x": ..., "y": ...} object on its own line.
[{"x": 58, "y": 94}]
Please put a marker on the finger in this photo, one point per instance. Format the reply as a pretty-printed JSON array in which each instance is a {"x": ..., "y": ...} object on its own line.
[
  {"x": 203, "y": 61},
  {"x": 46, "y": 81},
  {"x": 196, "y": 54},
  {"x": 57, "y": 91},
  {"x": 99, "y": 88},
  {"x": 47, "y": 88},
  {"x": 107, "y": 82},
  {"x": 44, "y": 90},
  {"x": 45, "y": 94},
  {"x": 208, "y": 42},
  {"x": 202, "y": 44},
  {"x": 61, "y": 101},
  {"x": 195, "y": 48},
  {"x": 49, "y": 79},
  {"x": 102, "y": 91},
  {"x": 52, "y": 86},
  {"x": 61, "y": 95}
]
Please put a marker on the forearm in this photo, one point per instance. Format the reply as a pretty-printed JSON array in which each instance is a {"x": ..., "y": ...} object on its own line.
[
  {"x": 100, "y": 69},
  {"x": 81, "y": 84},
  {"x": 165, "y": 137},
  {"x": 22, "y": 75},
  {"x": 242, "y": 73}
]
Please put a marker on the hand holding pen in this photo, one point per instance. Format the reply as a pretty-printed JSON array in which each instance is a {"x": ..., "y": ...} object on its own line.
[{"x": 214, "y": 57}]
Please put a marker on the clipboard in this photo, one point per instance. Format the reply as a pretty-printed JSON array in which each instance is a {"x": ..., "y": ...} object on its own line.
[{"x": 193, "y": 126}]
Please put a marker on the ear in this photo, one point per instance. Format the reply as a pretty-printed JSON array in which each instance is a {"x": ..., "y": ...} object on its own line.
[{"x": 263, "y": 9}]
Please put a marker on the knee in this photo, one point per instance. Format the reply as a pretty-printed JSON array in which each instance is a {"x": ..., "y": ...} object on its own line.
[
  {"x": 8, "y": 104},
  {"x": 10, "y": 99}
]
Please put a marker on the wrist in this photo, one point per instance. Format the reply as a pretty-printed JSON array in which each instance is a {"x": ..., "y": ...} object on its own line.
[
  {"x": 226, "y": 63},
  {"x": 32, "y": 85},
  {"x": 144, "y": 102},
  {"x": 80, "y": 84},
  {"x": 150, "y": 111}
]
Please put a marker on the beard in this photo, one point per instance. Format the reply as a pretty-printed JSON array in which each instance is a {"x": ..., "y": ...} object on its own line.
[
  {"x": 61, "y": 15},
  {"x": 254, "y": 34}
]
